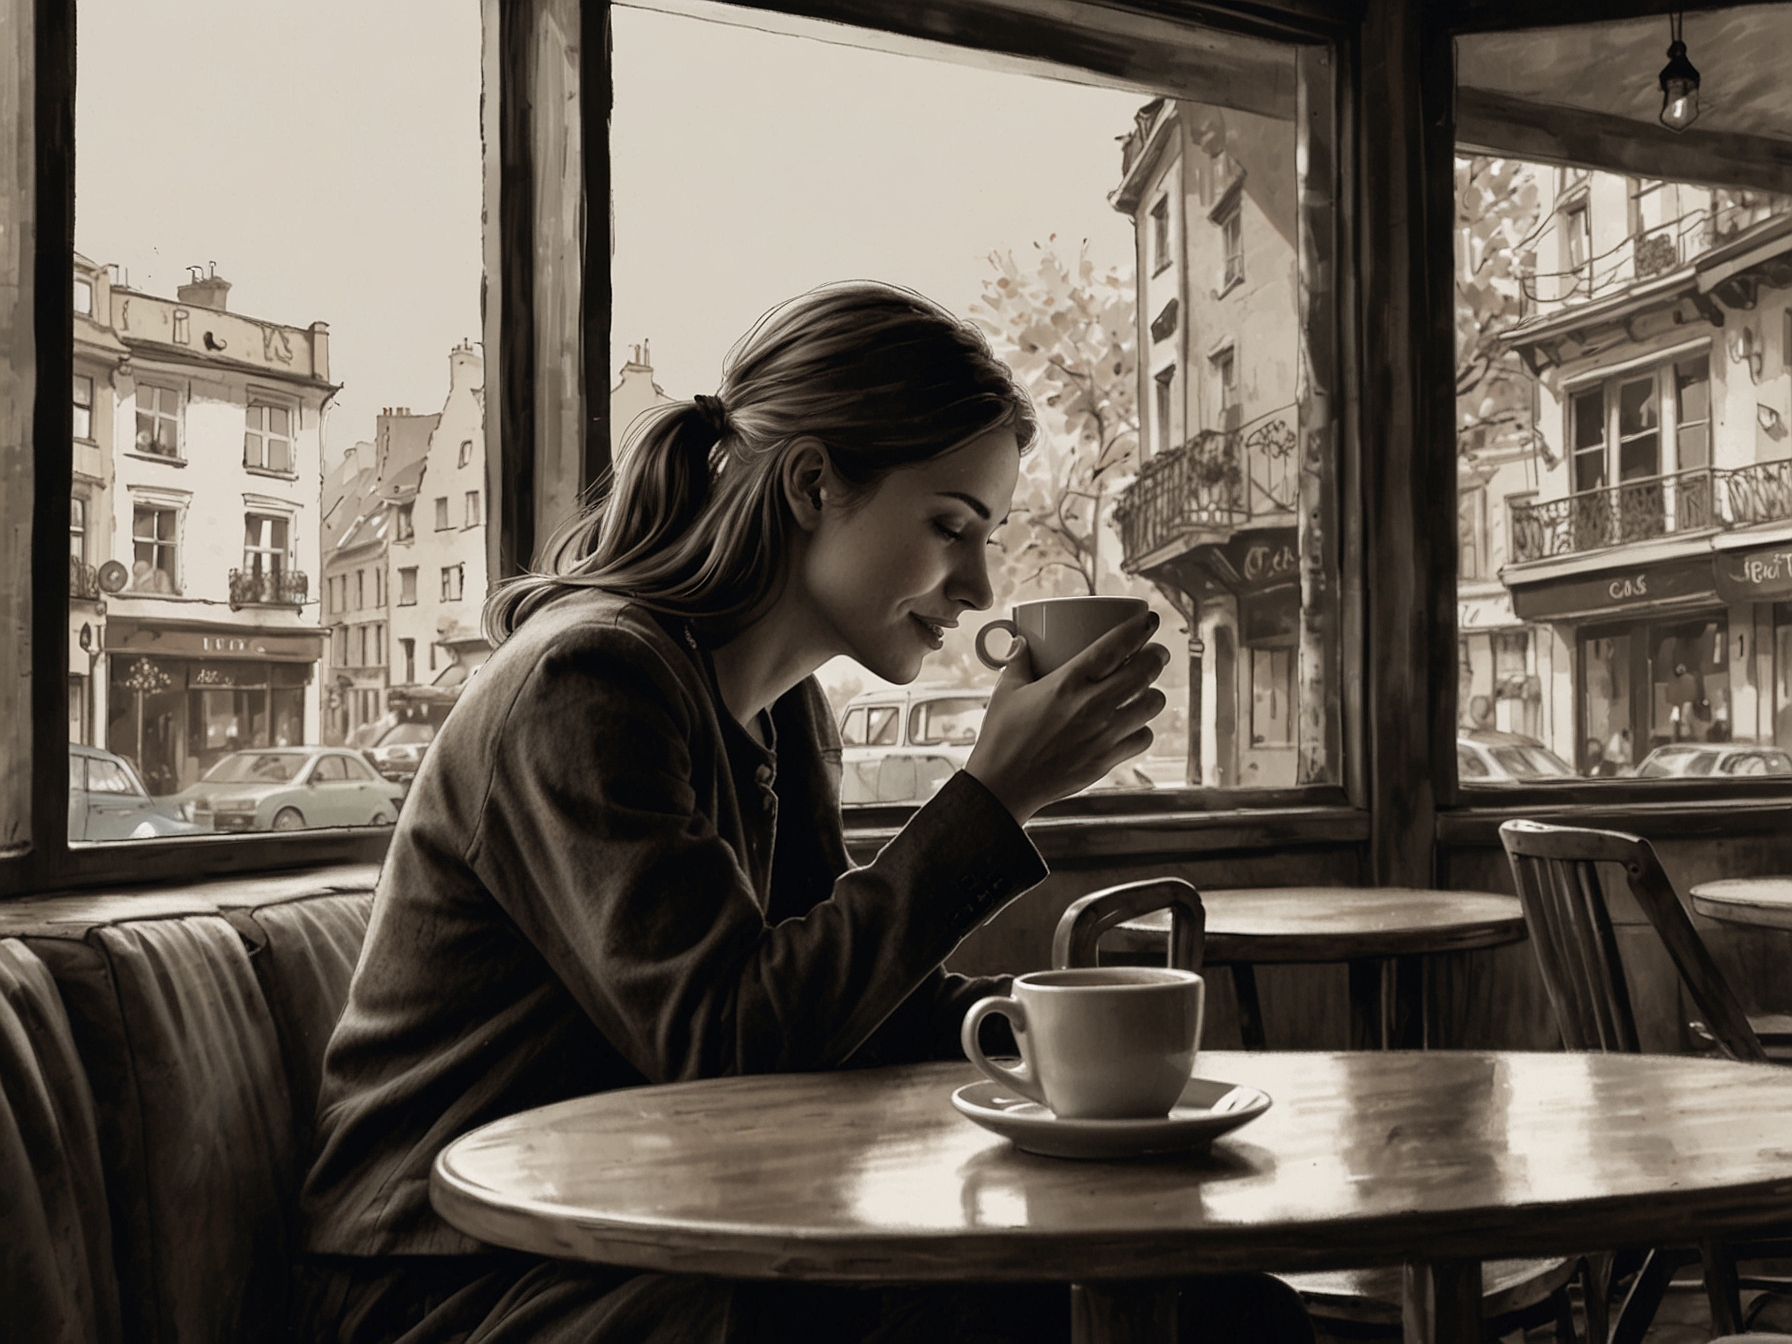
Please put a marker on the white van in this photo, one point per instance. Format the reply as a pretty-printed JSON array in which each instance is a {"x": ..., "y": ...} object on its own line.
[{"x": 901, "y": 744}]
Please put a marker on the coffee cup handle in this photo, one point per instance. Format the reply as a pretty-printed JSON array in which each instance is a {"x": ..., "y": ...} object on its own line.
[
  {"x": 1025, "y": 1079},
  {"x": 983, "y": 635}
]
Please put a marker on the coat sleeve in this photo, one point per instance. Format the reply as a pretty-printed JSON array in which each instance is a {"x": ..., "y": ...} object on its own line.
[{"x": 592, "y": 840}]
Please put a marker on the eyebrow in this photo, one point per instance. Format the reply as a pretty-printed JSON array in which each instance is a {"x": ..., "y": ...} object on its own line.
[{"x": 976, "y": 505}]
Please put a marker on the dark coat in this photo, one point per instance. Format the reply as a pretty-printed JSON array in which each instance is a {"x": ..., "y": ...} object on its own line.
[{"x": 589, "y": 888}]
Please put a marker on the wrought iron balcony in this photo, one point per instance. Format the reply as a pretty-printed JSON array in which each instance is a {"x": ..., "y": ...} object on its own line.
[
  {"x": 1196, "y": 486},
  {"x": 1651, "y": 506},
  {"x": 83, "y": 581},
  {"x": 267, "y": 588},
  {"x": 1760, "y": 493},
  {"x": 1214, "y": 483}
]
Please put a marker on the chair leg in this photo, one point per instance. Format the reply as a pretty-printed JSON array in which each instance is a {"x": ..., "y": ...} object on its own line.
[
  {"x": 1595, "y": 1288},
  {"x": 1644, "y": 1298},
  {"x": 1250, "y": 1009},
  {"x": 1565, "y": 1333},
  {"x": 1721, "y": 1288}
]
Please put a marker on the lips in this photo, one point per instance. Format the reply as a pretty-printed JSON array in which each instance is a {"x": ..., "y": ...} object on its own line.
[{"x": 935, "y": 630}]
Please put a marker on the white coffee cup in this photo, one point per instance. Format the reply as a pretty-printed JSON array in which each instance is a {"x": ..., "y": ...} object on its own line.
[
  {"x": 1098, "y": 1043},
  {"x": 1058, "y": 628}
]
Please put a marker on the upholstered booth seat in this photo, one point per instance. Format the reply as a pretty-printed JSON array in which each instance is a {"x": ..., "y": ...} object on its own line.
[
  {"x": 56, "y": 1277},
  {"x": 200, "y": 1022}
]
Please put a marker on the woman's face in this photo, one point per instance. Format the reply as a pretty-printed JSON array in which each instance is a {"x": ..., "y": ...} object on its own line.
[{"x": 887, "y": 573}]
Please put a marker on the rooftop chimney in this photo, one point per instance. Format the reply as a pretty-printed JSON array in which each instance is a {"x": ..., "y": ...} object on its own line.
[{"x": 204, "y": 290}]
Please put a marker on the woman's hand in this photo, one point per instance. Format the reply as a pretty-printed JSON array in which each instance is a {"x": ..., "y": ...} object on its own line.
[{"x": 1045, "y": 739}]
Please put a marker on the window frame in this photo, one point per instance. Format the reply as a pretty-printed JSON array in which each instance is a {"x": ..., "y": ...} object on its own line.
[
  {"x": 82, "y": 434},
  {"x": 1390, "y": 240},
  {"x": 177, "y": 417},
  {"x": 261, "y": 401}
]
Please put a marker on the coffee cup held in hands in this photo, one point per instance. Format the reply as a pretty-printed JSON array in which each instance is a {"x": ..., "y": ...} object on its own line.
[
  {"x": 1100, "y": 1043},
  {"x": 1058, "y": 628}
]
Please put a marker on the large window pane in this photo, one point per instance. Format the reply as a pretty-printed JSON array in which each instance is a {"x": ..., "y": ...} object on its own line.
[
  {"x": 251, "y": 335},
  {"x": 1134, "y": 254},
  {"x": 1618, "y": 341}
]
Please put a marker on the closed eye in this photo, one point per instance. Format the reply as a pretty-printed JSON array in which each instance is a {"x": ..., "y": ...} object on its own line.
[{"x": 946, "y": 532}]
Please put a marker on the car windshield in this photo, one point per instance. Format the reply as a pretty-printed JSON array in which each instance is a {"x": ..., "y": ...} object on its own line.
[
  {"x": 408, "y": 735},
  {"x": 257, "y": 767},
  {"x": 953, "y": 720},
  {"x": 1530, "y": 762},
  {"x": 1676, "y": 761}
]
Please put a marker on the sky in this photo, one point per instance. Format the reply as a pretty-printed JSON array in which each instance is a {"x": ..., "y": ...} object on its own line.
[
  {"x": 323, "y": 153},
  {"x": 749, "y": 166}
]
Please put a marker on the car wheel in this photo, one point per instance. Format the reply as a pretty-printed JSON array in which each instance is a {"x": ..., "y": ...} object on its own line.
[{"x": 289, "y": 819}]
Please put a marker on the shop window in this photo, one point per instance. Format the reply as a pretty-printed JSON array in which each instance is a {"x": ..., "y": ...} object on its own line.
[
  {"x": 267, "y": 438},
  {"x": 158, "y": 420},
  {"x": 1610, "y": 746},
  {"x": 83, "y": 407},
  {"x": 155, "y": 543}
]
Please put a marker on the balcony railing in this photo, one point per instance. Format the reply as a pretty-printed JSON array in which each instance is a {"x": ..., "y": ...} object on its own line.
[
  {"x": 267, "y": 588},
  {"x": 1652, "y": 506},
  {"x": 1214, "y": 482},
  {"x": 83, "y": 581},
  {"x": 1761, "y": 493}
]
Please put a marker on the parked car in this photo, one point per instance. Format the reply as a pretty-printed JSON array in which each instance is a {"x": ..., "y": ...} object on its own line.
[
  {"x": 1714, "y": 758},
  {"x": 107, "y": 800},
  {"x": 290, "y": 789},
  {"x": 1484, "y": 756},
  {"x": 900, "y": 745},
  {"x": 398, "y": 751}
]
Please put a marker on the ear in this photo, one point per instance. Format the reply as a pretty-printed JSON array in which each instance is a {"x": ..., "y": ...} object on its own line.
[{"x": 809, "y": 482}]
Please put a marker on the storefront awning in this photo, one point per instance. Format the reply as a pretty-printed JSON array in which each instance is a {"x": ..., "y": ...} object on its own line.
[
  {"x": 212, "y": 641},
  {"x": 1619, "y": 591}
]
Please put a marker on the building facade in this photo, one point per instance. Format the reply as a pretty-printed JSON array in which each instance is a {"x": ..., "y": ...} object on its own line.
[
  {"x": 1647, "y": 546},
  {"x": 436, "y": 546},
  {"x": 356, "y": 597},
  {"x": 1211, "y": 517},
  {"x": 212, "y": 639},
  {"x": 99, "y": 358}
]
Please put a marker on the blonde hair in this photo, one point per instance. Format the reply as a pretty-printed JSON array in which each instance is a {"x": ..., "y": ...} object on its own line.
[{"x": 692, "y": 520}]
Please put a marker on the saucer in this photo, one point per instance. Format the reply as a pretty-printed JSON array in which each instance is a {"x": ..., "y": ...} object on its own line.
[{"x": 1207, "y": 1109}]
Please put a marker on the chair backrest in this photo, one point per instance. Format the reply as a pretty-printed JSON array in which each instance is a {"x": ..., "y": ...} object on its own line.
[
  {"x": 1555, "y": 870},
  {"x": 1087, "y": 918}
]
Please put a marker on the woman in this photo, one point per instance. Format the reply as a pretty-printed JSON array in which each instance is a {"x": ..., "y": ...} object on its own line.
[{"x": 622, "y": 861}]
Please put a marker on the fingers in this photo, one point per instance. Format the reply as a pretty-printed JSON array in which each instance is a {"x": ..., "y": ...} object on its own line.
[
  {"x": 1017, "y": 666},
  {"x": 1101, "y": 658}
]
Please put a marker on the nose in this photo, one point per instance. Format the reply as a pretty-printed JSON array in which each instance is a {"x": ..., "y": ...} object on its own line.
[{"x": 969, "y": 582}]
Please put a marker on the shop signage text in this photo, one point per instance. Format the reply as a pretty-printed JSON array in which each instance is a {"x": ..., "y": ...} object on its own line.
[
  {"x": 173, "y": 642},
  {"x": 1597, "y": 594},
  {"x": 1755, "y": 576}
]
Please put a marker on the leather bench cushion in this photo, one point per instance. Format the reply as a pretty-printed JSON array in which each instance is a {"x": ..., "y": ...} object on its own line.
[
  {"x": 194, "y": 1122},
  {"x": 56, "y": 1276},
  {"x": 304, "y": 953}
]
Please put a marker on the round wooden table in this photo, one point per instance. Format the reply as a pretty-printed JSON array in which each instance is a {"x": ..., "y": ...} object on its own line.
[
  {"x": 1434, "y": 1161},
  {"x": 1760, "y": 902},
  {"x": 1382, "y": 933}
]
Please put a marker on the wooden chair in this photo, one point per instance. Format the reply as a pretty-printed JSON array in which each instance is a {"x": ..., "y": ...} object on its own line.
[
  {"x": 1556, "y": 872},
  {"x": 1362, "y": 1303}
]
